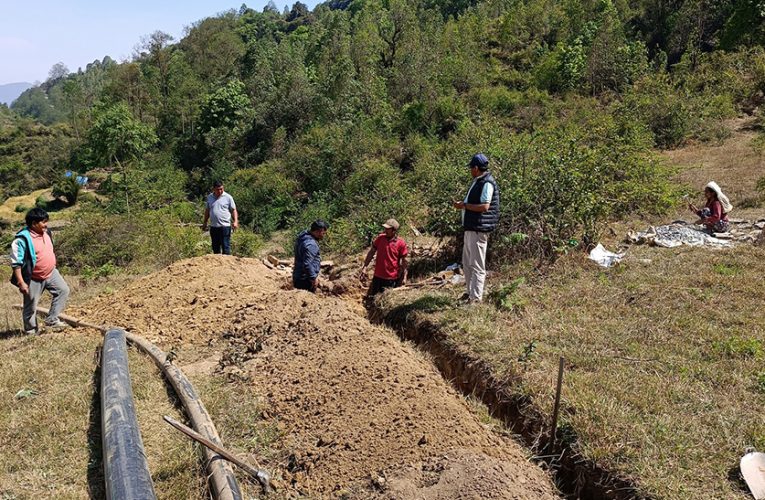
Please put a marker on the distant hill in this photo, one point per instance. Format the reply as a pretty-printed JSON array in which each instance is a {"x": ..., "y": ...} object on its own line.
[{"x": 10, "y": 91}]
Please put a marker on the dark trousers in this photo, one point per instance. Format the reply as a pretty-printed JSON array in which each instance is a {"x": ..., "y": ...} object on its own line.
[
  {"x": 221, "y": 239},
  {"x": 379, "y": 284},
  {"x": 306, "y": 284}
]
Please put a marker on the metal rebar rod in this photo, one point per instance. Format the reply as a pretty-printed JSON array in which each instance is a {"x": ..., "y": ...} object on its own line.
[{"x": 556, "y": 407}]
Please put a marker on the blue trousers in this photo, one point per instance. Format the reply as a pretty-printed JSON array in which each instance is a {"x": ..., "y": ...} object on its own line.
[{"x": 221, "y": 239}]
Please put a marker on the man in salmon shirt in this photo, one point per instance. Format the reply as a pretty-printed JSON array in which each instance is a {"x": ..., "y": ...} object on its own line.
[
  {"x": 391, "y": 264},
  {"x": 34, "y": 270}
]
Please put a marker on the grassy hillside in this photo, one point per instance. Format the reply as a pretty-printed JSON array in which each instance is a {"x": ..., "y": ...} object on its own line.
[{"x": 664, "y": 381}]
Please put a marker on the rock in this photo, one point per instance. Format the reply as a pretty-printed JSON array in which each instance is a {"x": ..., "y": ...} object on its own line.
[
  {"x": 723, "y": 236},
  {"x": 760, "y": 241}
]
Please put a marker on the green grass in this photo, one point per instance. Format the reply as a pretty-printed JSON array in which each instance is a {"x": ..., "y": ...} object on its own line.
[{"x": 664, "y": 379}]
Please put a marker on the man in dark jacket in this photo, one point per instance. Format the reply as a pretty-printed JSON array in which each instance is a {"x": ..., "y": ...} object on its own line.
[
  {"x": 305, "y": 272},
  {"x": 34, "y": 270},
  {"x": 480, "y": 216}
]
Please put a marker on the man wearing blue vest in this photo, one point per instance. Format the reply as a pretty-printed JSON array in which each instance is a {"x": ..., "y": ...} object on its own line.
[
  {"x": 34, "y": 270},
  {"x": 480, "y": 215}
]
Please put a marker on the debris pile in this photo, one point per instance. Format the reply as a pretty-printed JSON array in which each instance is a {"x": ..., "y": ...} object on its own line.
[
  {"x": 674, "y": 235},
  {"x": 682, "y": 233}
]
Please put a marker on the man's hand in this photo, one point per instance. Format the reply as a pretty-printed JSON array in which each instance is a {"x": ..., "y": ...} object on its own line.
[
  {"x": 363, "y": 272},
  {"x": 402, "y": 281},
  {"x": 23, "y": 288},
  {"x": 204, "y": 227},
  {"x": 459, "y": 205},
  {"x": 235, "y": 225},
  {"x": 316, "y": 282},
  {"x": 692, "y": 207}
]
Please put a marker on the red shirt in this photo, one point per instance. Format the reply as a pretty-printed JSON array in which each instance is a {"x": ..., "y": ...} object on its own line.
[
  {"x": 717, "y": 214},
  {"x": 46, "y": 259},
  {"x": 389, "y": 251}
]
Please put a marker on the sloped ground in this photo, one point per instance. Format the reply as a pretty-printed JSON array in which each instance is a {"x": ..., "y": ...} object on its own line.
[
  {"x": 358, "y": 413},
  {"x": 664, "y": 382}
]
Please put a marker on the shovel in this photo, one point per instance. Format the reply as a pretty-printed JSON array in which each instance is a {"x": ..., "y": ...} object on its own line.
[{"x": 753, "y": 469}]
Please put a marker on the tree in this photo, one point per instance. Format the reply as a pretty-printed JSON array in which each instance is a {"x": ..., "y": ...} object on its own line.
[
  {"x": 57, "y": 71},
  {"x": 116, "y": 137}
]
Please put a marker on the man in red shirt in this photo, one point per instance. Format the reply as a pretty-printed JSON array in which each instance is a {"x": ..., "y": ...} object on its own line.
[
  {"x": 391, "y": 263},
  {"x": 34, "y": 270}
]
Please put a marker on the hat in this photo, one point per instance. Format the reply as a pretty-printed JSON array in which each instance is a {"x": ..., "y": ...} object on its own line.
[
  {"x": 319, "y": 224},
  {"x": 724, "y": 201},
  {"x": 479, "y": 160},
  {"x": 391, "y": 224}
]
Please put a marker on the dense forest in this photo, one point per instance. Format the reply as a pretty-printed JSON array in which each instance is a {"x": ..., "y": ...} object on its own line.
[{"x": 365, "y": 109}]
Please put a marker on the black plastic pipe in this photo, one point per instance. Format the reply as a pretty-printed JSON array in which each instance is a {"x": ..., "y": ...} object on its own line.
[
  {"x": 126, "y": 473},
  {"x": 221, "y": 477}
]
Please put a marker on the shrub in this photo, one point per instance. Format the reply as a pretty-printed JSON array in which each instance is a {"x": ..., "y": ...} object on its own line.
[
  {"x": 147, "y": 239},
  {"x": 245, "y": 243},
  {"x": 264, "y": 197},
  {"x": 373, "y": 193},
  {"x": 558, "y": 184},
  {"x": 68, "y": 187},
  {"x": 654, "y": 102},
  {"x": 152, "y": 184}
]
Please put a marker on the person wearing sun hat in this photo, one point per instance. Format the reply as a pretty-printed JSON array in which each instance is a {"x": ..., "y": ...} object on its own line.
[
  {"x": 480, "y": 216},
  {"x": 714, "y": 214},
  {"x": 391, "y": 263}
]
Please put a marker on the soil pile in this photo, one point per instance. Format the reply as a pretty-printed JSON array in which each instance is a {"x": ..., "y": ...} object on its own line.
[
  {"x": 360, "y": 414},
  {"x": 190, "y": 301}
]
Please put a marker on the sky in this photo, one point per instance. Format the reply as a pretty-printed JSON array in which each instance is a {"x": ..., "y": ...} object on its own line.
[{"x": 36, "y": 35}]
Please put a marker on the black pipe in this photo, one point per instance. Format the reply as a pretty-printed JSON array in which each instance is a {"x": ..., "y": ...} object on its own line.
[{"x": 126, "y": 472}]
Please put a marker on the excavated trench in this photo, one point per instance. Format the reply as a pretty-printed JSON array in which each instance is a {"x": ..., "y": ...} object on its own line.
[
  {"x": 357, "y": 413},
  {"x": 575, "y": 477}
]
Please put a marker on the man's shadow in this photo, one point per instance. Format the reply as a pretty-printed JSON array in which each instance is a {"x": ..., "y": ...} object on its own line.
[{"x": 9, "y": 334}]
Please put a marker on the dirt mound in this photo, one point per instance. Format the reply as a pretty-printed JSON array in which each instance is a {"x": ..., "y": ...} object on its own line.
[
  {"x": 359, "y": 413},
  {"x": 190, "y": 301}
]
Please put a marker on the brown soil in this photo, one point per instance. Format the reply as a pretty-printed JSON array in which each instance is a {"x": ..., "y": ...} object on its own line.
[{"x": 360, "y": 413}]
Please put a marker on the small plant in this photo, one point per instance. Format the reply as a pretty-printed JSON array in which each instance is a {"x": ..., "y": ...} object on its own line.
[
  {"x": 103, "y": 271},
  {"x": 506, "y": 297},
  {"x": 725, "y": 269},
  {"x": 736, "y": 347},
  {"x": 760, "y": 382},
  {"x": 528, "y": 351},
  {"x": 515, "y": 239},
  {"x": 41, "y": 202},
  {"x": 20, "y": 209}
]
